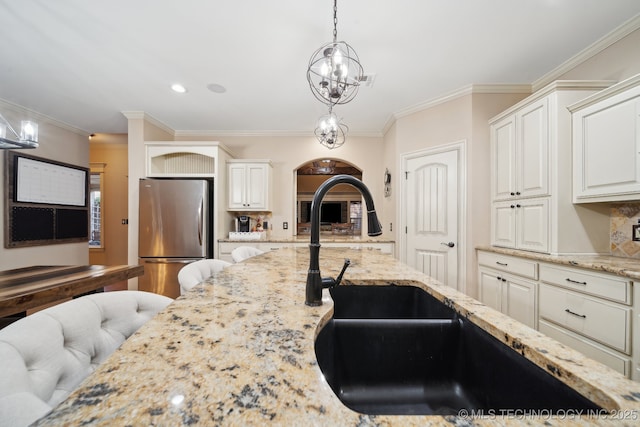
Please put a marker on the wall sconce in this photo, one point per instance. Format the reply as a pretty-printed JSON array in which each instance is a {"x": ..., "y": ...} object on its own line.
[{"x": 27, "y": 138}]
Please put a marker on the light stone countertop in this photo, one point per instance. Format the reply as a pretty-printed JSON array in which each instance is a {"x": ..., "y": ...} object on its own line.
[
  {"x": 324, "y": 238},
  {"x": 627, "y": 267},
  {"x": 239, "y": 350}
]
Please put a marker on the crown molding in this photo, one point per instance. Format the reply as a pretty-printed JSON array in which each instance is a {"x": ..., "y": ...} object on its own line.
[
  {"x": 264, "y": 133},
  {"x": 455, "y": 94},
  {"x": 616, "y": 35},
  {"x": 133, "y": 115},
  {"x": 41, "y": 118}
]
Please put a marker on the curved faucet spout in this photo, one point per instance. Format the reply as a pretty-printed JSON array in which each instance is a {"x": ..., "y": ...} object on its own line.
[{"x": 314, "y": 280}]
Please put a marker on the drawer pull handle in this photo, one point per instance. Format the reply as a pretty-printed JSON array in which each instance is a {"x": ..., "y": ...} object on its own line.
[
  {"x": 584, "y": 316},
  {"x": 575, "y": 281},
  {"x": 504, "y": 264}
]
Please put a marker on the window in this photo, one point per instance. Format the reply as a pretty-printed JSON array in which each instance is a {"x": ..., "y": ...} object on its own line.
[
  {"x": 355, "y": 215},
  {"x": 95, "y": 205}
]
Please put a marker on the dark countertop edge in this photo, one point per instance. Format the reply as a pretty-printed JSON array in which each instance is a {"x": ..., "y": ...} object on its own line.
[{"x": 602, "y": 263}]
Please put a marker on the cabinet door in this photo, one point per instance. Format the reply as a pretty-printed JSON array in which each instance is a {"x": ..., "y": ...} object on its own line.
[
  {"x": 237, "y": 186},
  {"x": 532, "y": 224},
  {"x": 257, "y": 186},
  {"x": 503, "y": 224},
  {"x": 606, "y": 143},
  {"x": 520, "y": 301},
  {"x": 503, "y": 159},
  {"x": 490, "y": 288},
  {"x": 532, "y": 154}
]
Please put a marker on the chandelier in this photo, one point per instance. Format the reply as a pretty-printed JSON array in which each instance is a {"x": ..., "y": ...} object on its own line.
[
  {"x": 331, "y": 132},
  {"x": 27, "y": 138},
  {"x": 334, "y": 72}
]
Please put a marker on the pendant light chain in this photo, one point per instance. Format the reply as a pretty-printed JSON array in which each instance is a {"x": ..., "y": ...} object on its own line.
[
  {"x": 335, "y": 21},
  {"x": 334, "y": 75}
]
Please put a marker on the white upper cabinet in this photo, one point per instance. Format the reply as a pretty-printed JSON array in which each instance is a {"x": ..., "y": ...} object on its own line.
[
  {"x": 520, "y": 153},
  {"x": 606, "y": 144},
  {"x": 531, "y": 174},
  {"x": 249, "y": 185}
]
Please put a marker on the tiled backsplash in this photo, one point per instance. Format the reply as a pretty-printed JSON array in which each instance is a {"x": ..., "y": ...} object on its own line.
[{"x": 623, "y": 218}]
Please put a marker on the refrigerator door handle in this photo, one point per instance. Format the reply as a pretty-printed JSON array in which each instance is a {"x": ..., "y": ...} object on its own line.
[{"x": 200, "y": 222}]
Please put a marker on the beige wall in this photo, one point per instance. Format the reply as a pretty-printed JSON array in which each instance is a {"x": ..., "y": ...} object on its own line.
[
  {"x": 288, "y": 153},
  {"x": 619, "y": 61},
  {"x": 464, "y": 118},
  {"x": 111, "y": 150},
  {"x": 140, "y": 129},
  {"x": 57, "y": 142}
]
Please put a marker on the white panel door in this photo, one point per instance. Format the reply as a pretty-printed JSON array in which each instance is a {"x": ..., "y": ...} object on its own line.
[
  {"x": 257, "y": 186},
  {"x": 237, "y": 187},
  {"x": 490, "y": 288},
  {"x": 503, "y": 159},
  {"x": 520, "y": 298},
  {"x": 503, "y": 224},
  {"x": 432, "y": 215},
  {"x": 532, "y": 224},
  {"x": 533, "y": 150}
]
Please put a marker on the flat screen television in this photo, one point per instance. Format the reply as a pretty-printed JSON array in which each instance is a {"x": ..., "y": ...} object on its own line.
[{"x": 330, "y": 212}]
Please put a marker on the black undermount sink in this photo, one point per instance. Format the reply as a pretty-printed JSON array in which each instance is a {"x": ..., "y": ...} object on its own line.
[{"x": 396, "y": 350}]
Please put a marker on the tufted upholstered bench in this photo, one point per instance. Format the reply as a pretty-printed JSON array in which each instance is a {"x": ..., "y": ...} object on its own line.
[
  {"x": 199, "y": 271},
  {"x": 45, "y": 356},
  {"x": 241, "y": 253}
]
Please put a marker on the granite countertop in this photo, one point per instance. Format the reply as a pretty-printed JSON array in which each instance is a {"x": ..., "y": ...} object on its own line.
[
  {"x": 238, "y": 349},
  {"x": 627, "y": 267}
]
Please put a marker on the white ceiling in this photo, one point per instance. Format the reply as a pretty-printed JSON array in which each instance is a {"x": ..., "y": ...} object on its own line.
[{"x": 84, "y": 62}]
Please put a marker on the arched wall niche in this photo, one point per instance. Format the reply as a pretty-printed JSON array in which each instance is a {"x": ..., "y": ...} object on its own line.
[{"x": 341, "y": 210}]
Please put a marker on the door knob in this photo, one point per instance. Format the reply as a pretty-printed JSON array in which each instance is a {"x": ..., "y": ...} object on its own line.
[{"x": 450, "y": 244}]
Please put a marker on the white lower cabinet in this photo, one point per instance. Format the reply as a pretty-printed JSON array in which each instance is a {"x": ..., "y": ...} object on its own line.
[
  {"x": 505, "y": 286},
  {"x": 591, "y": 349},
  {"x": 602, "y": 321},
  {"x": 510, "y": 295},
  {"x": 590, "y": 311}
]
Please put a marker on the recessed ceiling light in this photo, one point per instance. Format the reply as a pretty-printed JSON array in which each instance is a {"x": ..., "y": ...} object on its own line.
[
  {"x": 177, "y": 87},
  {"x": 216, "y": 88}
]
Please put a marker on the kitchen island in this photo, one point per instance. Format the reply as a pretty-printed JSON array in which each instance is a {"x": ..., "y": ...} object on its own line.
[{"x": 239, "y": 350}]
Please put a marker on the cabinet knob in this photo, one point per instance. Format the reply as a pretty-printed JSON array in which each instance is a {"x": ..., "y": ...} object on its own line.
[
  {"x": 512, "y": 193},
  {"x": 517, "y": 193},
  {"x": 518, "y": 206},
  {"x": 513, "y": 207}
]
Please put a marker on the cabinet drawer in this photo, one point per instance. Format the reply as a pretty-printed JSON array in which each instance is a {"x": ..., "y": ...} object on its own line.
[
  {"x": 613, "y": 288},
  {"x": 588, "y": 348},
  {"x": 602, "y": 321},
  {"x": 521, "y": 267}
]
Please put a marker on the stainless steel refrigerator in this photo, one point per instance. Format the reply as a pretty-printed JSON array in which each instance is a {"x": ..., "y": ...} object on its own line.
[{"x": 175, "y": 228}]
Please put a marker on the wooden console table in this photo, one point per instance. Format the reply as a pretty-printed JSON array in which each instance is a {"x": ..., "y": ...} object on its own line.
[{"x": 30, "y": 287}]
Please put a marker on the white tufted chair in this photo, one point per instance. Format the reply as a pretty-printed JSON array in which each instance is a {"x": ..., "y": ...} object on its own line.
[
  {"x": 198, "y": 271},
  {"x": 46, "y": 355},
  {"x": 241, "y": 253}
]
